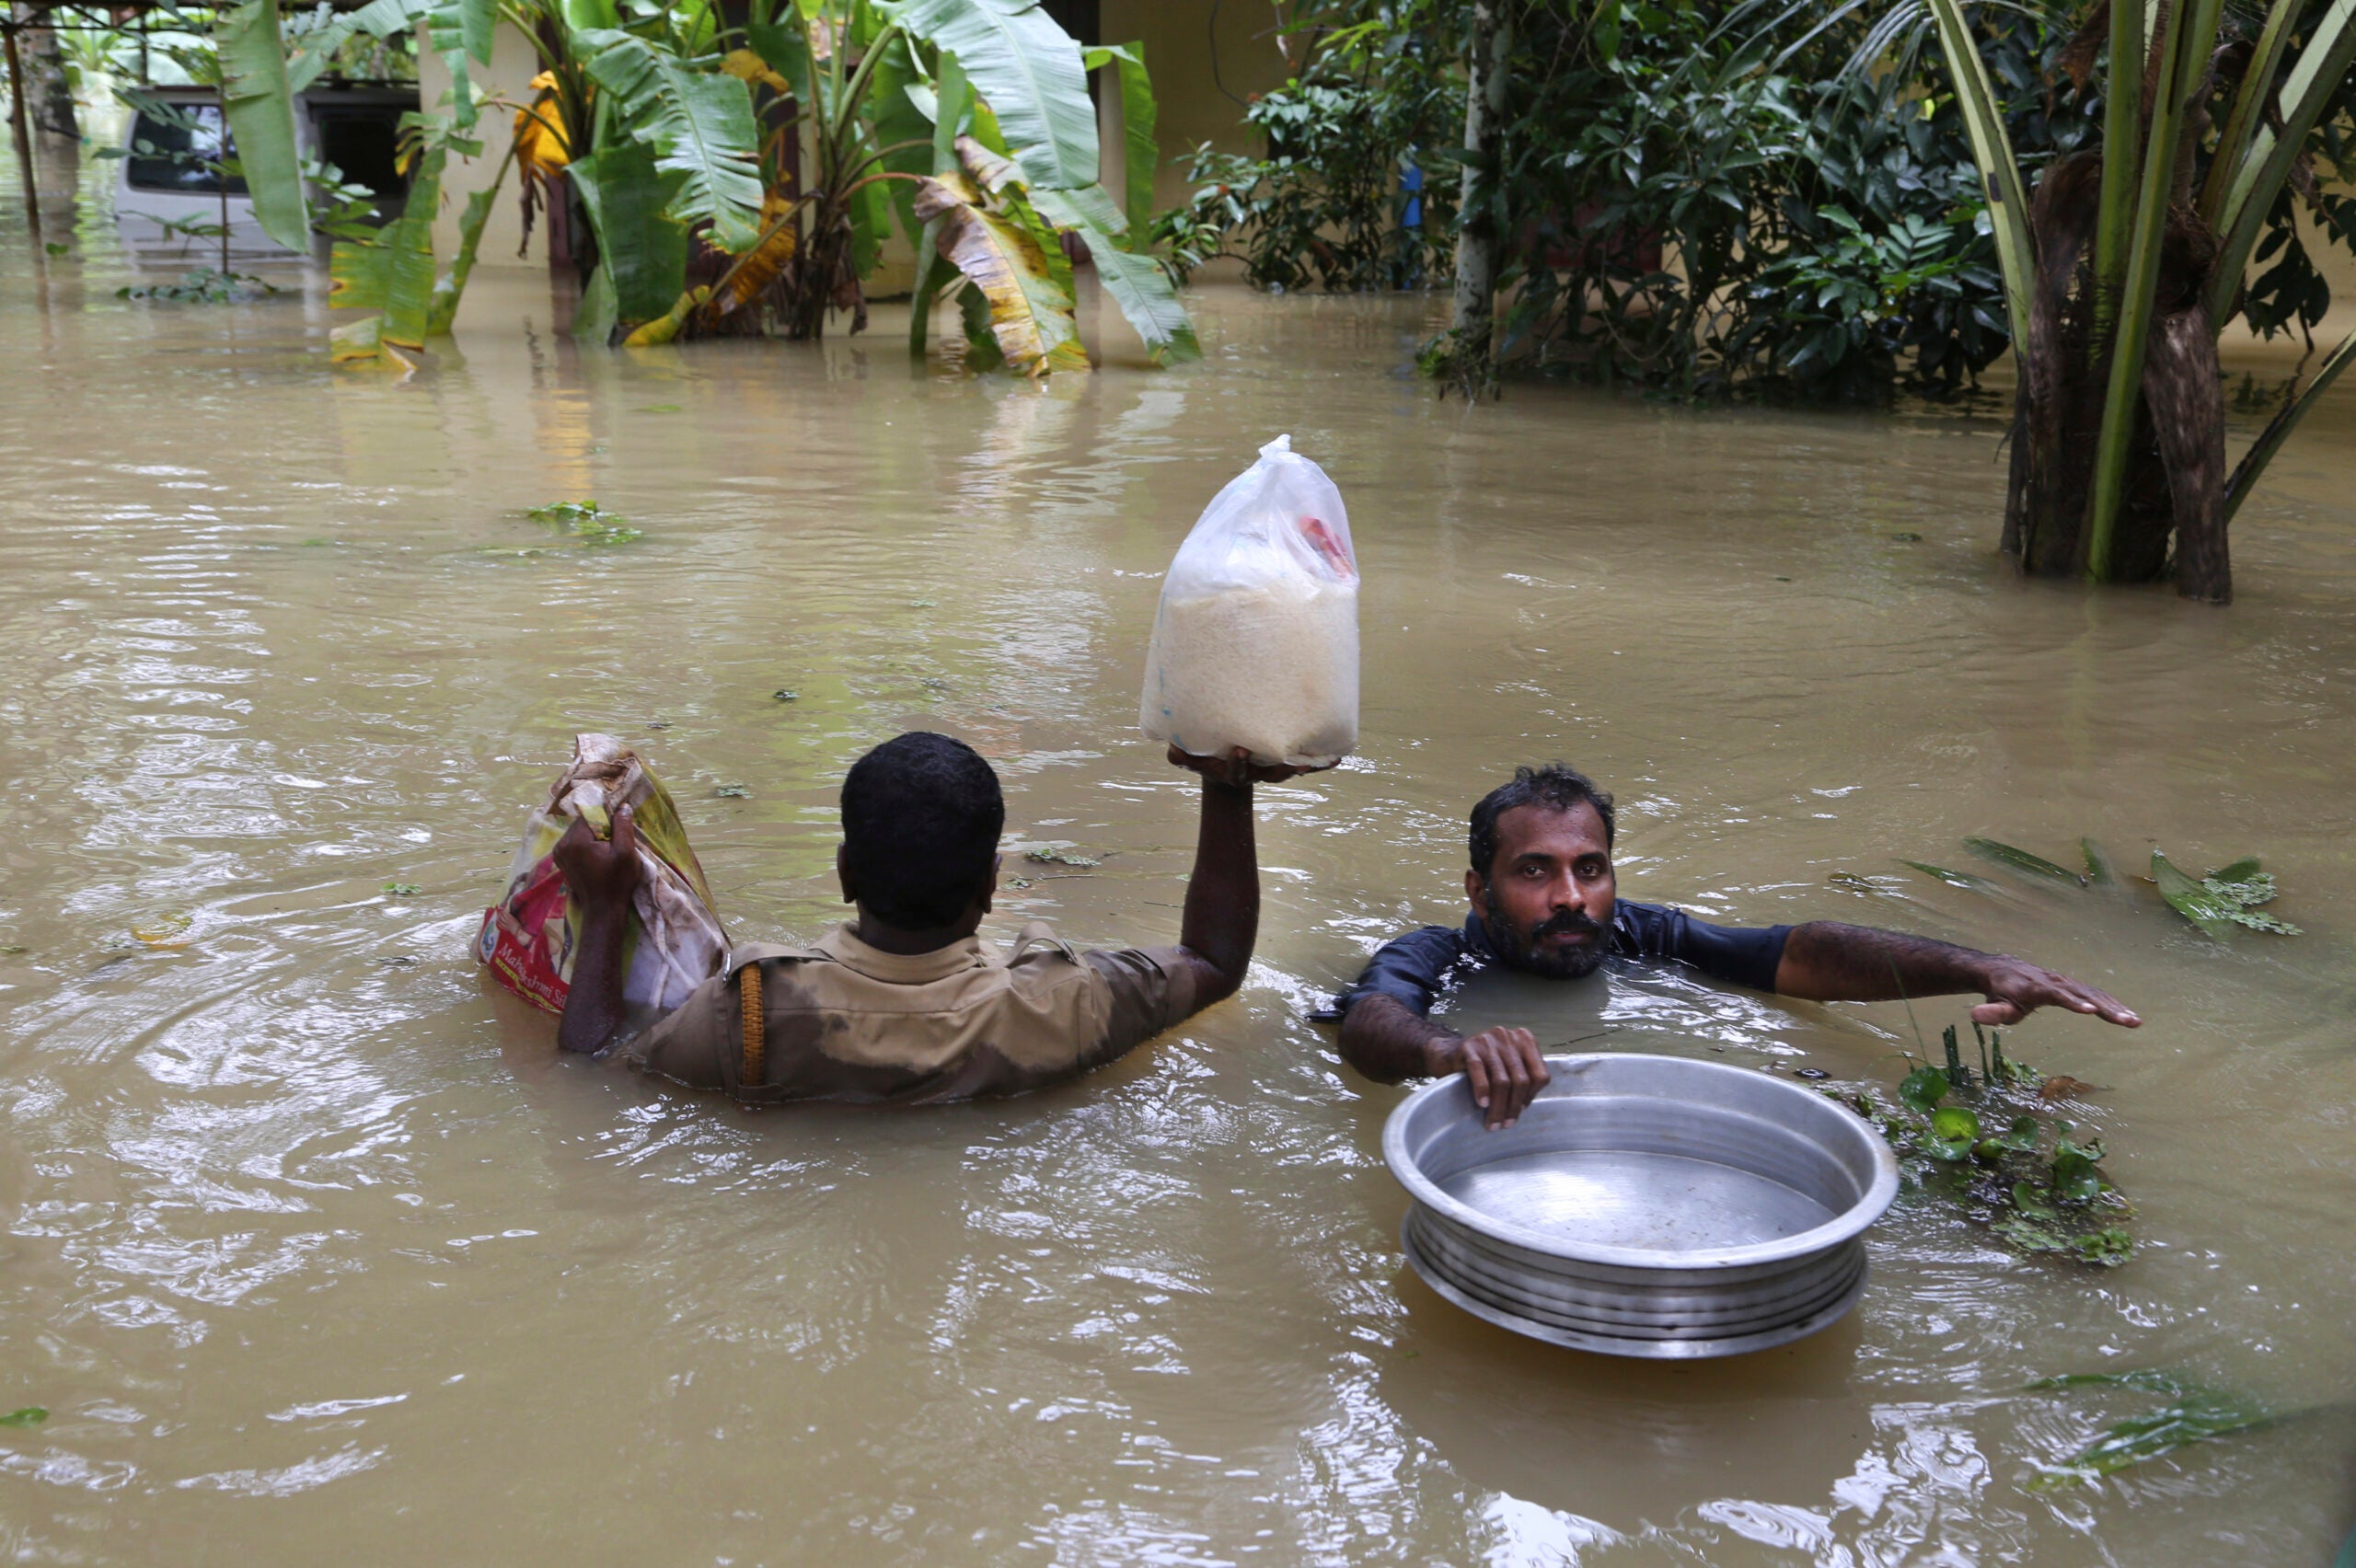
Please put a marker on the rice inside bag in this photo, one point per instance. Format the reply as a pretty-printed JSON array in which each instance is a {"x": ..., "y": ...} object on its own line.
[
  {"x": 1255, "y": 643},
  {"x": 675, "y": 943}
]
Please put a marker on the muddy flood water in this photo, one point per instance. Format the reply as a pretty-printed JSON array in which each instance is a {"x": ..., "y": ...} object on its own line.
[{"x": 314, "y": 1253}]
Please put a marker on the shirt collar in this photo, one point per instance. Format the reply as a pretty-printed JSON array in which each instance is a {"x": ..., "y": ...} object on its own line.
[{"x": 843, "y": 945}]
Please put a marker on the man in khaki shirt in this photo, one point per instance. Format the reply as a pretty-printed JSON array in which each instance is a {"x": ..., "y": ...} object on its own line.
[{"x": 906, "y": 1004}]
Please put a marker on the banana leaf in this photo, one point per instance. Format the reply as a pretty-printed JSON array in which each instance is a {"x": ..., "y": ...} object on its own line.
[
  {"x": 1137, "y": 283},
  {"x": 378, "y": 18},
  {"x": 392, "y": 275},
  {"x": 2021, "y": 860},
  {"x": 260, "y": 110},
  {"x": 1029, "y": 70},
  {"x": 642, "y": 252},
  {"x": 592, "y": 317},
  {"x": 450, "y": 291},
  {"x": 666, "y": 327},
  {"x": 454, "y": 28},
  {"x": 701, "y": 126},
  {"x": 952, "y": 104},
  {"x": 902, "y": 131},
  {"x": 1141, "y": 154},
  {"x": 1029, "y": 317}
]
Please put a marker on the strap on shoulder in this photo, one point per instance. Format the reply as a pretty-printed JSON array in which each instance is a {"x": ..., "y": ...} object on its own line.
[
  {"x": 1038, "y": 933},
  {"x": 753, "y": 1063}
]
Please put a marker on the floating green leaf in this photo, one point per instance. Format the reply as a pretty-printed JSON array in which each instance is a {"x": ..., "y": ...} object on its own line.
[
  {"x": 1058, "y": 858},
  {"x": 2099, "y": 869},
  {"x": 2194, "y": 1414},
  {"x": 734, "y": 791},
  {"x": 2224, "y": 899},
  {"x": 403, "y": 889},
  {"x": 1953, "y": 879},
  {"x": 1922, "y": 1088},
  {"x": 29, "y": 1415},
  {"x": 2021, "y": 860}
]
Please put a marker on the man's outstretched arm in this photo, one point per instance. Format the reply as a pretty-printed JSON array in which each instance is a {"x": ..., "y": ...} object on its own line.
[
  {"x": 1827, "y": 962},
  {"x": 600, "y": 874},
  {"x": 1388, "y": 1041},
  {"x": 1222, "y": 918}
]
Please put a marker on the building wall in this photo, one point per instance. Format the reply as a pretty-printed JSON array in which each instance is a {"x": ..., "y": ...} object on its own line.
[
  {"x": 1208, "y": 57},
  {"x": 513, "y": 66}
]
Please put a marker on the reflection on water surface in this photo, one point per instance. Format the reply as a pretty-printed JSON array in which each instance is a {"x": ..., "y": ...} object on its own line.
[{"x": 310, "y": 1242}]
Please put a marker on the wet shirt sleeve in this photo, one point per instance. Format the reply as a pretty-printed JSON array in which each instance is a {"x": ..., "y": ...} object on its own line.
[
  {"x": 1407, "y": 969},
  {"x": 688, "y": 1044},
  {"x": 1740, "y": 955},
  {"x": 1149, "y": 989}
]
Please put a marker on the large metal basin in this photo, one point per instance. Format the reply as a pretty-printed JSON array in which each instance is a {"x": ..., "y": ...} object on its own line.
[{"x": 1644, "y": 1206}]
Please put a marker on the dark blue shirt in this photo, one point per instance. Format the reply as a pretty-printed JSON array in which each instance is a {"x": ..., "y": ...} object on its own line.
[{"x": 1416, "y": 968}]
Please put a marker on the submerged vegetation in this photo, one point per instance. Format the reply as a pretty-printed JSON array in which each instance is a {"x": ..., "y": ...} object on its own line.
[
  {"x": 1990, "y": 1143},
  {"x": 2228, "y": 896},
  {"x": 2194, "y": 1414}
]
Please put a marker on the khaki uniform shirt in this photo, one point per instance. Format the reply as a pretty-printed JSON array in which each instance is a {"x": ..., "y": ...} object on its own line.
[{"x": 844, "y": 1020}]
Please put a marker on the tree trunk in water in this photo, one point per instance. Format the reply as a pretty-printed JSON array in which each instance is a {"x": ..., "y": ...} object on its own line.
[
  {"x": 2176, "y": 462},
  {"x": 49, "y": 97},
  {"x": 1473, "y": 319}
]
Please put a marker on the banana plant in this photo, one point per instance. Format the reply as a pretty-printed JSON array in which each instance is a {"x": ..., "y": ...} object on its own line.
[{"x": 2123, "y": 265}]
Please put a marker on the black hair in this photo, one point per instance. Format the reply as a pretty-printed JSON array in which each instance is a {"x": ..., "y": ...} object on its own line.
[
  {"x": 1557, "y": 786},
  {"x": 921, "y": 817}
]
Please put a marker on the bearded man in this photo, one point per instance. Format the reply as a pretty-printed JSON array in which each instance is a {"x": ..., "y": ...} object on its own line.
[{"x": 1545, "y": 902}]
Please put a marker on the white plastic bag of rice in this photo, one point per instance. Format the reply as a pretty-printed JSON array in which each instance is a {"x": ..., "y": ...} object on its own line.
[{"x": 1256, "y": 642}]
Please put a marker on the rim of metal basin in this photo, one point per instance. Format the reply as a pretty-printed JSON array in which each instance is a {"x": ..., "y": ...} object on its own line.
[{"x": 1567, "y": 1070}]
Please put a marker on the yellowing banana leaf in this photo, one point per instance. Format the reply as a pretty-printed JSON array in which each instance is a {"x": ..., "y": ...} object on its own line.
[
  {"x": 539, "y": 142},
  {"x": 701, "y": 127},
  {"x": 393, "y": 273},
  {"x": 749, "y": 67},
  {"x": 666, "y": 327},
  {"x": 758, "y": 268},
  {"x": 353, "y": 341},
  {"x": 1030, "y": 317},
  {"x": 260, "y": 110},
  {"x": 1029, "y": 69},
  {"x": 1141, "y": 151},
  {"x": 992, "y": 171}
]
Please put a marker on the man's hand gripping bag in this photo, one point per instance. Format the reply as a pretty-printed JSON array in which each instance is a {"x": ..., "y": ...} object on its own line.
[
  {"x": 675, "y": 943},
  {"x": 1256, "y": 641}
]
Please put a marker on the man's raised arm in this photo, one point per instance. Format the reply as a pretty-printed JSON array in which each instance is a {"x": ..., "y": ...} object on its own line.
[{"x": 1827, "y": 962}]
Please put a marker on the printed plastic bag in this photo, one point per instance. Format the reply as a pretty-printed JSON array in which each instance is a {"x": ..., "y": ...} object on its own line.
[
  {"x": 675, "y": 943},
  {"x": 1256, "y": 641}
]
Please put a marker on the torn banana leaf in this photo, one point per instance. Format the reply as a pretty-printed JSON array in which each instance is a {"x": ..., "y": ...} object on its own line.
[
  {"x": 2022, "y": 860},
  {"x": 1029, "y": 315},
  {"x": 260, "y": 110},
  {"x": 2218, "y": 902}
]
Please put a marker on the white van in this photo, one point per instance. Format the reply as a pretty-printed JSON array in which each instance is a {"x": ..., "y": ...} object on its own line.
[{"x": 351, "y": 127}]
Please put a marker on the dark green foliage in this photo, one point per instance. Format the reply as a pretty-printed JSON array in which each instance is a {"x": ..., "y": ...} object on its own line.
[{"x": 2033, "y": 1184}]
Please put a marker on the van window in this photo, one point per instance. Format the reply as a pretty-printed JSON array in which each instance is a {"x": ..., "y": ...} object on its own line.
[
  {"x": 190, "y": 178},
  {"x": 360, "y": 140}
]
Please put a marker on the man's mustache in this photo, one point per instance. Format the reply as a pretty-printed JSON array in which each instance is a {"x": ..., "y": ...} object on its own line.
[{"x": 1565, "y": 922}]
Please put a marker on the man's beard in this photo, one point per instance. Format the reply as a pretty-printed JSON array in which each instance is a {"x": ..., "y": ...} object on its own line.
[{"x": 1521, "y": 950}]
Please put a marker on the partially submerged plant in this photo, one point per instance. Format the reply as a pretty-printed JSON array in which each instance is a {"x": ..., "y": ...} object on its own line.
[
  {"x": 2225, "y": 897},
  {"x": 1990, "y": 1144},
  {"x": 587, "y": 521},
  {"x": 2194, "y": 1414}
]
